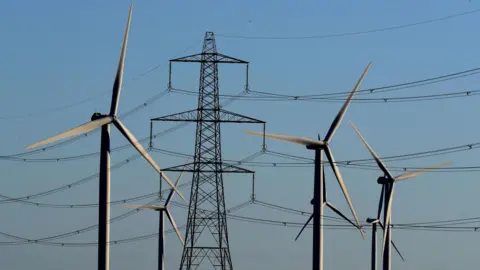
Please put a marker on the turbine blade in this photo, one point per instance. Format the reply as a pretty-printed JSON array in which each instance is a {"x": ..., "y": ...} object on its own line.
[
  {"x": 393, "y": 244},
  {"x": 388, "y": 211},
  {"x": 84, "y": 128},
  {"x": 398, "y": 251},
  {"x": 304, "y": 226},
  {"x": 117, "y": 85},
  {"x": 144, "y": 153},
  {"x": 374, "y": 155},
  {"x": 324, "y": 182},
  {"x": 151, "y": 207},
  {"x": 172, "y": 192},
  {"x": 338, "y": 119},
  {"x": 297, "y": 140},
  {"x": 342, "y": 185},
  {"x": 415, "y": 173},
  {"x": 174, "y": 225},
  {"x": 334, "y": 209}
]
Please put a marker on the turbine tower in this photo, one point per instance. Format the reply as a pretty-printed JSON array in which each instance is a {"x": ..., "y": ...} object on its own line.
[
  {"x": 103, "y": 121},
  {"x": 388, "y": 183},
  {"x": 319, "y": 191},
  {"x": 206, "y": 237},
  {"x": 162, "y": 210},
  {"x": 375, "y": 222}
]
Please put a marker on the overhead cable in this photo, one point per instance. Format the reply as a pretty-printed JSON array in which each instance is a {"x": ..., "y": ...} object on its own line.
[
  {"x": 27, "y": 199},
  {"x": 429, "y": 228},
  {"x": 377, "y": 30},
  {"x": 442, "y": 96}
]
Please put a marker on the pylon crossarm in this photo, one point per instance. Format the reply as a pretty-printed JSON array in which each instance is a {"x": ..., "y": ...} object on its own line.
[{"x": 205, "y": 57}]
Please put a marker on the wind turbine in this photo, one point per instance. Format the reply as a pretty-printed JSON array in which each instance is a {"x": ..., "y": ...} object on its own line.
[
  {"x": 319, "y": 201},
  {"x": 161, "y": 226},
  {"x": 98, "y": 120},
  {"x": 388, "y": 184},
  {"x": 374, "y": 222}
]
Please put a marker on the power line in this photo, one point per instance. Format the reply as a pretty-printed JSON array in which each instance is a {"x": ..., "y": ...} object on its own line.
[
  {"x": 266, "y": 96},
  {"x": 90, "y": 205},
  {"x": 46, "y": 242},
  {"x": 84, "y": 180},
  {"x": 86, "y": 229},
  {"x": 275, "y": 222},
  {"x": 446, "y": 222},
  {"x": 68, "y": 186},
  {"x": 384, "y": 29},
  {"x": 335, "y": 96},
  {"x": 442, "y": 96},
  {"x": 119, "y": 217},
  {"x": 92, "y": 227},
  {"x": 26, "y": 199},
  {"x": 390, "y": 87},
  {"x": 92, "y": 154},
  {"x": 408, "y": 156},
  {"x": 358, "y": 163},
  {"x": 18, "y": 157},
  {"x": 405, "y": 226}
]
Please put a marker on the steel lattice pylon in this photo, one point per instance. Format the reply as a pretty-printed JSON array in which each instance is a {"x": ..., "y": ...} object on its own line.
[{"x": 207, "y": 200}]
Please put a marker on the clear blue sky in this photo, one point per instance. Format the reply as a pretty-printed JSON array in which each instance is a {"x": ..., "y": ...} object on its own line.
[{"x": 57, "y": 53}]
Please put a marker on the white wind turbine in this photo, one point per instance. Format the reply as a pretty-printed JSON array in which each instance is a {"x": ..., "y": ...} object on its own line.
[
  {"x": 104, "y": 121},
  {"x": 388, "y": 182},
  {"x": 161, "y": 230},
  {"x": 319, "y": 200}
]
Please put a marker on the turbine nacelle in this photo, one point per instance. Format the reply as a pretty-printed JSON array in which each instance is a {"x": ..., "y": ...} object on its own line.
[
  {"x": 97, "y": 116},
  {"x": 317, "y": 146},
  {"x": 382, "y": 180},
  {"x": 372, "y": 220}
]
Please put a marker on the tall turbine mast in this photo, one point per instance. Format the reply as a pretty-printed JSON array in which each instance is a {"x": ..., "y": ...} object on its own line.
[
  {"x": 103, "y": 121},
  {"x": 319, "y": 191}
]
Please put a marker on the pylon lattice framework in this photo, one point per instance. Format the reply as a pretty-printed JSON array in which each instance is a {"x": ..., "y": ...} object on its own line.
[{"x": 207, "y": 200}]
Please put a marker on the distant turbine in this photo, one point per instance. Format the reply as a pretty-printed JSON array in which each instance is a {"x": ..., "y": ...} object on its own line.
[
  {"x": 161, "y": 230},
  {"x": 104, "y": 121},
  {"x": 388, "y": 183},
  {"x": 374, "y": 222},
  {"x": 319, "y": 193}
]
